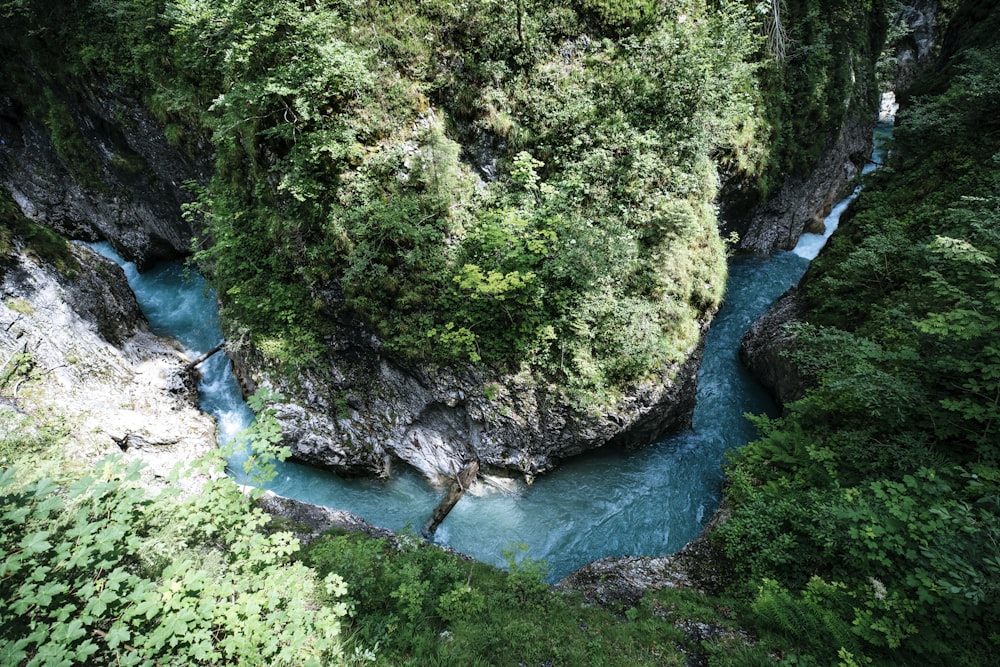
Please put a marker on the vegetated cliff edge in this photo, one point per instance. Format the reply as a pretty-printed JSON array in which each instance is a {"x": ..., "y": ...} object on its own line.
[
  {"x": 765, "y": 347},
  {"x": 356, "y": 408},
  {"x": 888, "y": 463},
  {"x": 450, "y": 302},
  {"x": 92, "y": 165},
  {"x": 821, "y": 95}
]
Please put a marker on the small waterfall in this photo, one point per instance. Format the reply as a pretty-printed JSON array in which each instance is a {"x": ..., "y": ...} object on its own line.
[{"x": 809, "y": 245}]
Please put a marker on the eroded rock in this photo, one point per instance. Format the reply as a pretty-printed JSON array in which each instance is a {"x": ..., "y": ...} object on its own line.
[
  {"x": 356, "y": 411},
  {"x": 622, "y": 581},
  {"x": 93, "y": 365},
  {"x": 126, "y": 185},
  {"x": 764, "y": 346},
  {"x": 804, "y": 198}
]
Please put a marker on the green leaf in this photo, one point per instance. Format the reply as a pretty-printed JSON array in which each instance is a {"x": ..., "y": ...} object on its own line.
[{"x": 34, "y": 543}]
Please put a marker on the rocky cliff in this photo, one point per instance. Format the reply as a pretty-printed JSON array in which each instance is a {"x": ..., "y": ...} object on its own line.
[
  {"x": 93, "y": 165},
  {"x": 764, "y": 346},
  {"x": 762, "y": 350},
  {"x": 78, "y": 359},
  {"x": 357, "y": 410},
  {"x": 805, "y": 198},
  {"x": 915, "y": 34}
]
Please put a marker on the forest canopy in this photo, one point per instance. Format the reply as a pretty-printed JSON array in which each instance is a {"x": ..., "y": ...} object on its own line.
[{"x": 523, "y": 185}]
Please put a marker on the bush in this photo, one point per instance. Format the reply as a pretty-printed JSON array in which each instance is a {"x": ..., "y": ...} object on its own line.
[{"x": 101, "y": 572}]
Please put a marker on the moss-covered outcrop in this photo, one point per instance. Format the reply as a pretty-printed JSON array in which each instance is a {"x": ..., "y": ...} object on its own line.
[{"x": 92, "y": 163}]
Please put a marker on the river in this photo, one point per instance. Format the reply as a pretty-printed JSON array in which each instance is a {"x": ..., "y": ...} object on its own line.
[{"x": 605, "y": 503}]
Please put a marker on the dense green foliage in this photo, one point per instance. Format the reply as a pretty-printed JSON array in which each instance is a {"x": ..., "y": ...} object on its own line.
[
  {"x": 339, "y": 162},
  {"x": 96, "y": 569},
  {"x": 518, "y": 184},
  {"x": 423, "y": 606},
  {"x": 530, "y": 183},
  {"x": 819, "y": 73},
  {"x": 525, "y": 185},
  {"x": 100, "y": 571},
  {"x": 866, "y": 520},
  {"x": 825, "y": 78}
]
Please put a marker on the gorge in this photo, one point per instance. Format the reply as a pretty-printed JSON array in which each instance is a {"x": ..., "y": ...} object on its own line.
[
  {"x": 612, "y": 503},
  {"x": 445, "y": 246}
]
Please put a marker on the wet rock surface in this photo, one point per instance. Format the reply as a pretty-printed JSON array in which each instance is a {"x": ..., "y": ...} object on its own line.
[{"x": 308, "y": 521}]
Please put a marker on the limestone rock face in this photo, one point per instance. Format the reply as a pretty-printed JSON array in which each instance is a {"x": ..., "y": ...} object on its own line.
[
  {"x": 918, "y": 18},
  {"x": 91, "y": 360},
  {"x": 804, "y": 199},
  {"x": 127, "y": 189},
  {"x": 763, "y": 345},
  {"x": 356, "y": 411}
]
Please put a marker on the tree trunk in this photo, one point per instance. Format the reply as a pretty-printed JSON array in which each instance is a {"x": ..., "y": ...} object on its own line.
[{"x": 462, "y": 482}]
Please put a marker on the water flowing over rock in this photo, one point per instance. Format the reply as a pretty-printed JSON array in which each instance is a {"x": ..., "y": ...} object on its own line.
[
  {"x": 804, "y": 199},
  {"x": 356, "y": 410},
  {"x": 117, "y": 387},
  {"x": 126, "y": 188}
]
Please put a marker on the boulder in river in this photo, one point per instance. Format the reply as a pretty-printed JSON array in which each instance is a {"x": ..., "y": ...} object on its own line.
[{"x": 764, "y": 346}]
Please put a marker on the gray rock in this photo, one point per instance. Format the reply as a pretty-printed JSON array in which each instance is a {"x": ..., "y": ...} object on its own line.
[
  {"x": 115, "y": 387},
  {"x": 622, "y": 581},
  {"x": 308, "y": 521},
  {"x": 356, "y": 411},
  {"x": 763, "y": 348},
  {"x": 130, "y": 190},
  {"x": 917, "y": 21},
  {"x": 804, "y": 199}
]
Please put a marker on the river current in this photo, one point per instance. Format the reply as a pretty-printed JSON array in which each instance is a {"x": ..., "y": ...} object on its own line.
[{"x": 605, "y": 503}]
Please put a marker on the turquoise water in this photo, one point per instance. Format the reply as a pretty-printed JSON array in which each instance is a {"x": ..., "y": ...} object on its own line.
[
  {"x": 605, "y": 503},
  {"x": 601, "y": 504}
]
